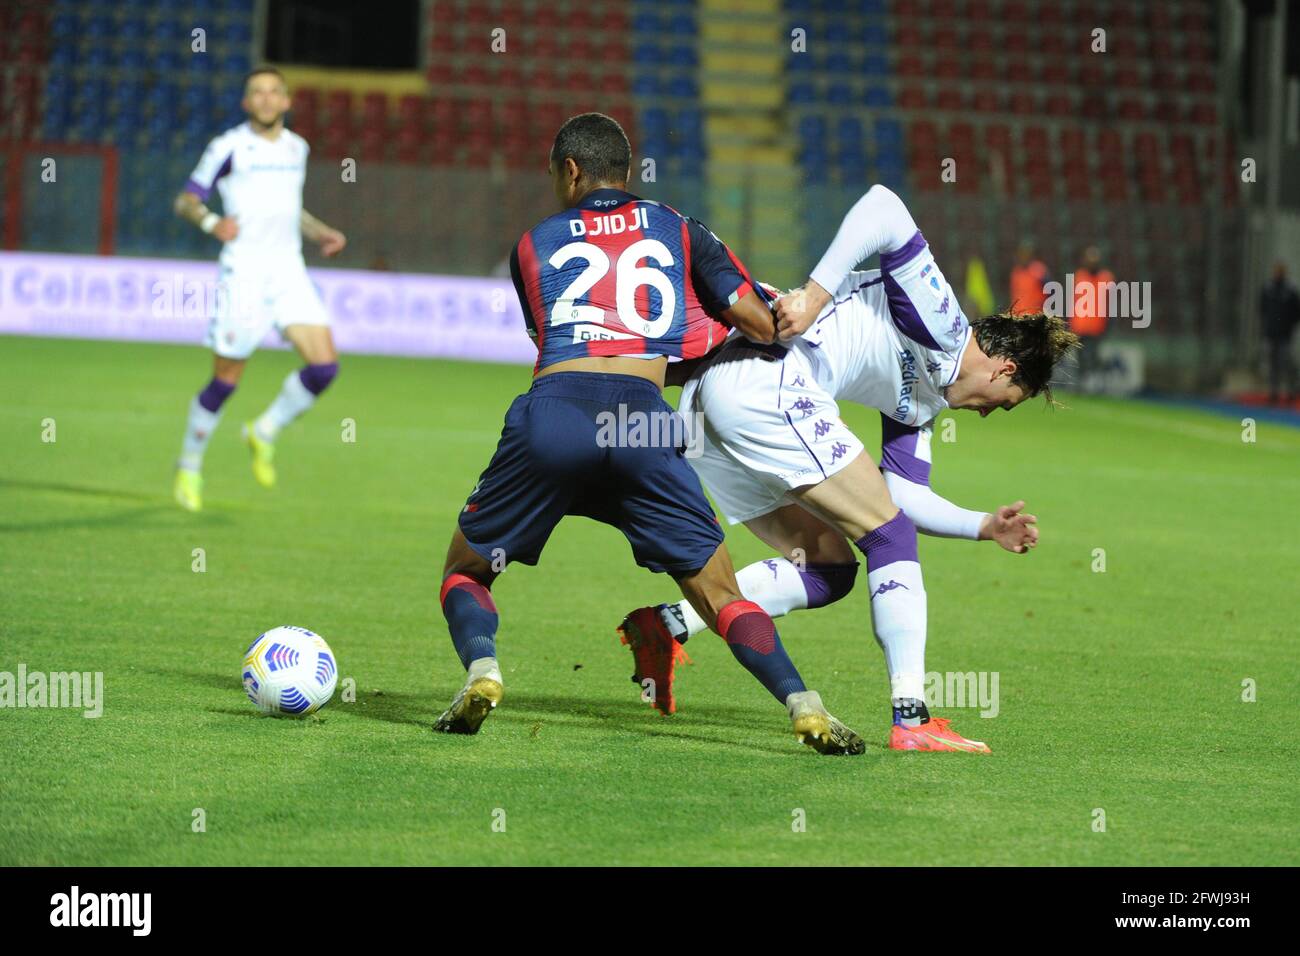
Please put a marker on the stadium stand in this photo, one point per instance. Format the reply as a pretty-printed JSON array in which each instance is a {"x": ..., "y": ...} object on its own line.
[{"x": 765, "y": 117}]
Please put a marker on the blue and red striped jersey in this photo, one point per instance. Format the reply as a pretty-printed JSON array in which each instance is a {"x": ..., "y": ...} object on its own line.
[{"x": 622, "y": 275}]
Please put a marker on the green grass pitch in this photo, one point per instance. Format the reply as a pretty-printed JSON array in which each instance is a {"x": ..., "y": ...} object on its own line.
[{"x": 1119, "y": 691}]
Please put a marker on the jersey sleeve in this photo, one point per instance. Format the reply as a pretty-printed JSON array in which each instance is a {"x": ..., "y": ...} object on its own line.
[
  {"x": 521, "y": 288},
  {"x": 720, "y": 279},
  {"x": 878, "y": 223},
  {"x": 214, "y": 164},
  {"x": 905, "y": 449},
  {"x": 905, "y": 461}
]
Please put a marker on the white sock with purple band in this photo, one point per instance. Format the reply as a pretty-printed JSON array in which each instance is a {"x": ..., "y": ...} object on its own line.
[
  {"x": 898, "y": 608},
  {"x": 777, "y": 586},
  {"x": 293, "y": 400}
]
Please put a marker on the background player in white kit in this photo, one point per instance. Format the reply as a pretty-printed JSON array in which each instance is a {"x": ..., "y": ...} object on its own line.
[
  {"x": 259, "y": 168},
  {"x": 778, "y": 458}
]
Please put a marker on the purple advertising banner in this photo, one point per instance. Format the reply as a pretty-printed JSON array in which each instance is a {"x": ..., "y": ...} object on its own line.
[{"x": 169, "y": 300}]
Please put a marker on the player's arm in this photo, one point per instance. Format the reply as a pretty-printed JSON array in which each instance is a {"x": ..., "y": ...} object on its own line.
[
  {"x": 905, "y": 463},
  {"x": 878, "y": 222},
  {"x": 724, "y": 287},
  {"x": 191, "y": 204},
  {"x": 330, "y": 240},
  {"x": 191, "y": 208}
]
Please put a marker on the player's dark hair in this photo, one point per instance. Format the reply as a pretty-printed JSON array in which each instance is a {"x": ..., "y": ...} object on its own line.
[
  {"x": 1035, "y": 341},
  {"x": 597, "y": 144},
  {"x": 258, "y": 71}
]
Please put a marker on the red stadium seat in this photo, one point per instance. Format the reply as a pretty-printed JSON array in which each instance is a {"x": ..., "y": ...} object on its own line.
[
  {"x": 338, "y": 105},
  {"x": 951, "y": 98},
  {"x": 1024, "y": 102},
  {"x": 411, "y": 111},
  {"x": 374, "y": 108},
  {"x": 1132, "y": 108},
  {"x": 912, "y": 98},
  {"x": 987, "y": 100}
]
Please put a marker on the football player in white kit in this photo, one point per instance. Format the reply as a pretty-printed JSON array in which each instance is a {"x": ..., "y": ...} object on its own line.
[
  {"x": 259, "y": 168},
  {"x": 777, "y": 457}
]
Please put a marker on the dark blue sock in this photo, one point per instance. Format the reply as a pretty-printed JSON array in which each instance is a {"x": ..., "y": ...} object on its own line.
[
  {"x": 471, "y": 617},
  {"x": 753, "y": 640},
  {"x": 214, "y": 394},
  {"x": 316, "y": 378}
]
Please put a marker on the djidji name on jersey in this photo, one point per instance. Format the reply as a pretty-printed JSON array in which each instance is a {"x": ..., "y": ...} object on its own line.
[{"x": 613, "y": 224}]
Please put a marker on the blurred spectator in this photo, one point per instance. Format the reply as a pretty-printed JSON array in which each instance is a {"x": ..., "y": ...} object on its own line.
[
  {"x": 1091, "y": 284},
  {"x": 1028, "y": 276},
  {"x": 1279, "y": 314},
  {"x": 979, "y": 294}
]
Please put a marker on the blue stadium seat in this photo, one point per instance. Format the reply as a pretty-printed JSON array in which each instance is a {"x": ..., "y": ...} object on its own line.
[
  {"x": 93, "y": 89},
  {"x": 683, "y": 56},
  {"x": 96, "y": 57},
  {"x": 63, "y": 26},
  {"x": 64, "y": 56},
  {"x": 878, "y": 96},
  {"x": 875, "y": 34},
  {"x": 124, "y": 128},
  {"x": 839, "y": 94},
  {"x": 875, "y": 64},
  {"x": 87, "y": 124},
  {"x": 645, "y": 22},
  {"x": 54, "y": 124},
  {"x": 839, "y": 62},
  {"x": 645, "y": 84},
  {"x": 889, "y": 133},
  {"x": 169, "y": 33},
  {"x": 237, "y": 31},
  {"x": 132, "y": 28},
  {"x": 168, "y": 61},
  {"x": 97, "y": 25},
  {"x": 802, "y": 92},
  {"x": 647, "y": 54},
  {"x": 681, "y": 24},
  {"x": 684, "y": 86},
  {"x": 799, "y": 63},
  {"x": 691, "y": 118},
  {"x": 812, "y": 128},
  {"x": 848, "y": 129}
]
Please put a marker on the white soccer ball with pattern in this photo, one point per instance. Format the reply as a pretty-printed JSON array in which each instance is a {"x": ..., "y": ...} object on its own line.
[{"x": 290, "y": 670}]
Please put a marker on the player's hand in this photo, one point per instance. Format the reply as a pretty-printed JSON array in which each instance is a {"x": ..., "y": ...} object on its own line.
[
  {"x": 796, "y": 311},
  {"x": 225, "y": 229},
  {"x": 1010, "y": 528},
  {"x": 332, "y": 242}
]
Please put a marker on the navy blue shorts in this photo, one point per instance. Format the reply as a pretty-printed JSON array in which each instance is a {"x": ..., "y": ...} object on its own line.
[{"x": 562, "y": 453}]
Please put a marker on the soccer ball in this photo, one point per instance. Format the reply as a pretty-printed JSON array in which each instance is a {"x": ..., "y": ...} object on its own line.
[{"x": 289, "y": 670}]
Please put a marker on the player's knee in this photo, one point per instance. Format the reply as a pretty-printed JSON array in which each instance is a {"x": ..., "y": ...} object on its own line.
[
  {"x": 317, "y": 377},
  {"x": 827, "y": 583}
]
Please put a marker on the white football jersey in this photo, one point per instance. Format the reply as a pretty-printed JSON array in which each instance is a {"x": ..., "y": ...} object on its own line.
[
  {"x": 891, "y": 340},
  {"x": 260, "y": 182}
]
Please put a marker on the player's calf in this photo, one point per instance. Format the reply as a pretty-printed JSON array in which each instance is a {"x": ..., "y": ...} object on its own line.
[
  {"x": 777, "y": 586},
  {"x": 204, "y": 414},
  {"x": 299, "y": 392}
]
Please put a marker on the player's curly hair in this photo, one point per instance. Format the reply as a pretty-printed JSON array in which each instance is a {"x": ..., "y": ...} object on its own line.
[
  {"x": 597, "y": 144},
  {"x": 1035, "y": 341}
]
